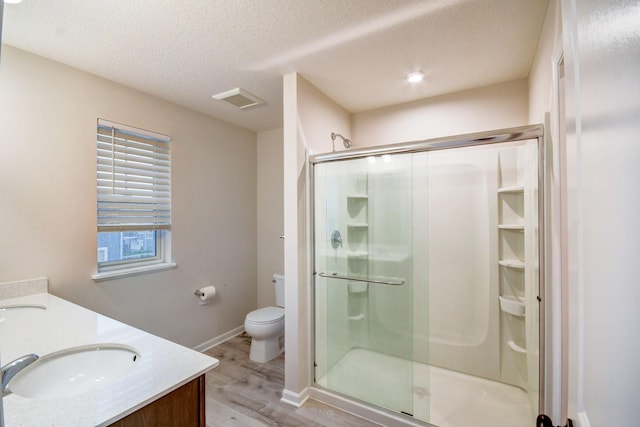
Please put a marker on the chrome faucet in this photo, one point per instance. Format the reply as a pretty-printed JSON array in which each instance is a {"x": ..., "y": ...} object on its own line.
[{"x": 9, "y": 370}]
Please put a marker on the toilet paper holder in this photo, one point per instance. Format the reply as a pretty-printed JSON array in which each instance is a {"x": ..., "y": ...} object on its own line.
[{"x": 205, "y": 294}]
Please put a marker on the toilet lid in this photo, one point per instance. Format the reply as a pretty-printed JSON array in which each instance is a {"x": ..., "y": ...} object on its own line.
[{"x": 266, "y": 315}]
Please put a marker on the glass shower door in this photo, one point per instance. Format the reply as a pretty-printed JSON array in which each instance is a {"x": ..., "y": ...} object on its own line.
[{"x": 365, "y": 344}]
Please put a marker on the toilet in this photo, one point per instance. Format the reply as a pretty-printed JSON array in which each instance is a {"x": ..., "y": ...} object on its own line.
[{"x": 265, "y": 326}]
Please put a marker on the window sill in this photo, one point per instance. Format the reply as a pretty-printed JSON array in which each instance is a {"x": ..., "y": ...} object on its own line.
[{"x": 133, "y": 271}]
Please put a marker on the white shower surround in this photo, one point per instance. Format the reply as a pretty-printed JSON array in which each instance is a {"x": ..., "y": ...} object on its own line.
[
  {"x": 449, "y": 264},
  {"x": 464, "y": 330}
]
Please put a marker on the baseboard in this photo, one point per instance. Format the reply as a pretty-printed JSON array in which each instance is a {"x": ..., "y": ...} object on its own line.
[
  {"x": 295, "y": 399},
  {"x": 219, "y": 339}
]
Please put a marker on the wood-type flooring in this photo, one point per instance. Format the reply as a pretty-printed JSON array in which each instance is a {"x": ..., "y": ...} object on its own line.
[{"x": 240, "y": 392}]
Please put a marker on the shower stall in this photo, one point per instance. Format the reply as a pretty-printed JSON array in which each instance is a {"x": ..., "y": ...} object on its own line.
[{"x": 427, "y": 277}]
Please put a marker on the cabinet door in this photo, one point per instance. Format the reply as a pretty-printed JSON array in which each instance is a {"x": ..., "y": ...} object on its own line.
[{"x": 183, "y": 406}]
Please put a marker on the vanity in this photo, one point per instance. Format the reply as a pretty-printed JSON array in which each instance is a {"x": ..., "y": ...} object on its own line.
[{"x": 109, "y": 373}]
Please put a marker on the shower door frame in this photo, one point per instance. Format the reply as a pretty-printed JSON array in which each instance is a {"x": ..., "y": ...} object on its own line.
[{"x": 498, "y": 136}]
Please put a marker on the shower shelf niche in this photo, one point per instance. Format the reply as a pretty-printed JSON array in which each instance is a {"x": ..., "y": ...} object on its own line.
[
  {"x": 359, "y": 316},
  {"x": 508, "y": 263},
  {"x": 515, "y": 189},
  {"x": 357, "y": 198},
  {"x": 358, "y": 255},
  {"x": 357, "y": 204},
  {"x": 512, "y": 254},
  {"x": 512, "y": 305},
  {"x": 517, "y": 347},
  {"x": 358, "y": 225},
  {"x": 512, "y": 227}
]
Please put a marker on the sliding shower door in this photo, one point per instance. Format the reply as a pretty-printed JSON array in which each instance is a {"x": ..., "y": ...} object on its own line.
[
  {"x": 428, "y": 277},
  {"x": 366, "y": 307}
]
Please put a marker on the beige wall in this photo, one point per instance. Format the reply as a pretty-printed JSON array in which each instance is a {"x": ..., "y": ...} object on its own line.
[
  {"x": 487, "y": 108},
  {"x": 270, "y": 213},
  {"x": 48, "y": 115},
  {"x": 319, "y": 116},
  {"x": 540, "y": 77},
  {"x": 309, "y": 118}
]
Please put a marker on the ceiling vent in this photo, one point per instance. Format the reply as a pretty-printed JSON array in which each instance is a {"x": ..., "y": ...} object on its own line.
[{"x": 239, "y": 98}]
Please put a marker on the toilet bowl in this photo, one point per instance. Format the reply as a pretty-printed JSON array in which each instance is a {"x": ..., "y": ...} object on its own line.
[{"x": 265, "y": 326}]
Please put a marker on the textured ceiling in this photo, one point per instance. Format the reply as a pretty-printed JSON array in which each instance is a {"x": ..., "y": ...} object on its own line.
[{"x": 355, "y": 51}]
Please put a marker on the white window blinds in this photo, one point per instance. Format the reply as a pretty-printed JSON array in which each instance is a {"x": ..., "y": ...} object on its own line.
[{"x": 134, "y": 179}]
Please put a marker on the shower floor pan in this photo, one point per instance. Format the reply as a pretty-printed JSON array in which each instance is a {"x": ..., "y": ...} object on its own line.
[{"x": 439, "y": 396}]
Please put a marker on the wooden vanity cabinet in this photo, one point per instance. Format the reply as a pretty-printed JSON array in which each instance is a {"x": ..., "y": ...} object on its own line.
[{"x": 184, "y": 407}]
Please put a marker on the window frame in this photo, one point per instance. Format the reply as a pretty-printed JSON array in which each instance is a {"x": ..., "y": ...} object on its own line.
[{"x": 128, "y": 267}]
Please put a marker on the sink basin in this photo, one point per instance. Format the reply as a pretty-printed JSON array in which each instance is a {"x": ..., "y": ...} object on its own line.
[
  {"x": 11, "y": 307},
  {"x": 74, "y": 371},
  {"x": 21, "y": 312}
]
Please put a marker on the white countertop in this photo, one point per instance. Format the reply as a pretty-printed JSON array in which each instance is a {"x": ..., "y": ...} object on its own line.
[{"x": 162, "y": 367}]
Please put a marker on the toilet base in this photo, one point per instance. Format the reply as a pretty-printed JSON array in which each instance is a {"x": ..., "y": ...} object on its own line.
[{"x": 264, "y": 350}]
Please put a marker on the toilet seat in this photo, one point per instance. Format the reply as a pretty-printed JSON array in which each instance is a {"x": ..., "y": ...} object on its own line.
[{"x": 266, "y": 315}]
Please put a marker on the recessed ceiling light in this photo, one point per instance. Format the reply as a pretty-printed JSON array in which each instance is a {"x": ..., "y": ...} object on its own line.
[
  {"x": 12, "y": 1},
  {"x": 415, "y": 77}
]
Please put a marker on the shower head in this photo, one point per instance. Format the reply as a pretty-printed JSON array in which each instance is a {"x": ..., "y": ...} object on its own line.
[{"x": 345, "y": 141}]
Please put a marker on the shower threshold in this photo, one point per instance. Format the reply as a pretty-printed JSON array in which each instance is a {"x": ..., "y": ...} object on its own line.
[{"x": 434, "y": 395}]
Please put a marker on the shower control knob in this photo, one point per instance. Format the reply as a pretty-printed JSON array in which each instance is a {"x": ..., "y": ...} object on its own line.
[{"x": 336, "y": 239}]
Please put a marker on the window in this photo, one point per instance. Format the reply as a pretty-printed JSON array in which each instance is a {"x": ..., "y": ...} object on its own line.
[{"x": 134, "y": 200}]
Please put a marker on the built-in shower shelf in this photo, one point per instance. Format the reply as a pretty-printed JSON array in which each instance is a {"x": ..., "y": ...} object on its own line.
[
  {"x": 512, "y": 305},
  {"x": 357, "y": 317},
  {"x": 509, "y": 263},
  {"x": 357, "y": 255},
  {"x": 358, "y": 225},
  {"x": 515, "y": 189},
  {"x": 358, "y": 196},
  {"x": 517, "y": 347},
  {"x": 512, "y": 227}
]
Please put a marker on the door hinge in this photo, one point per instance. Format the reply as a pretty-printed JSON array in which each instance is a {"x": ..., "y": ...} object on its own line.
[{"x": 544, "y": 421}]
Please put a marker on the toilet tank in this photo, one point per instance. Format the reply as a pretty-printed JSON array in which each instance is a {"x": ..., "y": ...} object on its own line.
[{"x": 279, "y": 283}]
